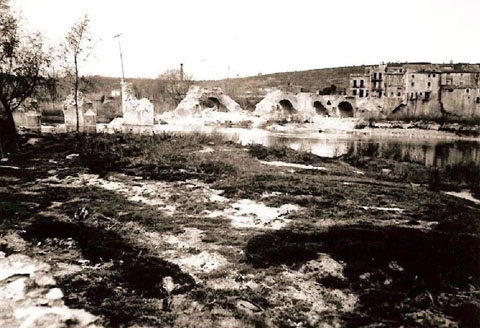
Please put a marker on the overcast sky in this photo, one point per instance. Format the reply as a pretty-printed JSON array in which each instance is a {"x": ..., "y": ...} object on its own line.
[{"x": 247, "y": 37}]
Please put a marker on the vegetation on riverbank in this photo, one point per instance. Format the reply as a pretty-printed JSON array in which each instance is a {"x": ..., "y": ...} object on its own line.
[
  {"x": 396, "y": 165},
  {"x": 175, "y": 230}
]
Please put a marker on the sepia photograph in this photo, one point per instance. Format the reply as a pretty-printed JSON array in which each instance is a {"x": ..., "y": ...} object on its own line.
[{"x": 237, "y": 164}]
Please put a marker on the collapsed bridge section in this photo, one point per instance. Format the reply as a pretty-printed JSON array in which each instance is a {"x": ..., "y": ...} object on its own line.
[{"x": 200, "y": 101}]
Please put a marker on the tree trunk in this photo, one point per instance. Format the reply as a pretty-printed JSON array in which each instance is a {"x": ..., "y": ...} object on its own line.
[
  {"x": 76, "y": 94},
  {"x": 9, "y": 134}
]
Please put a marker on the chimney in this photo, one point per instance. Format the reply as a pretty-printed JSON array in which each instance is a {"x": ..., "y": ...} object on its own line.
[{"x": 181, "y": 72}]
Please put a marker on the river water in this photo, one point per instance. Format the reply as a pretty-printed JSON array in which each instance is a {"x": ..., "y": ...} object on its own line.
[{"x": 431, "y": 152}]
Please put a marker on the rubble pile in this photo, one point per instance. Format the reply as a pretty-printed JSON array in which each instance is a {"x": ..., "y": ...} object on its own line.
[
  {"x": 29, "y": 298},
  {"x": 136, "y": 112}
]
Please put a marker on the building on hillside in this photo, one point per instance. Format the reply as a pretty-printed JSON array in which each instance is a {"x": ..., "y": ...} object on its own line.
[{"x": 420, "y": 88}]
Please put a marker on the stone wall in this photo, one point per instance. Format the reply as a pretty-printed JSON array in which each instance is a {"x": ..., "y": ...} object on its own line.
[
  {"x": 28, "y": 116},
  {"x": 84, "y": 107},
  {"x": 461, "y": 101},
  {"x": 27, "y": 119}
]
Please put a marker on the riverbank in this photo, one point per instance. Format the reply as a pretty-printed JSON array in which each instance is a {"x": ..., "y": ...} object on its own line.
[
  {"x": 341, "y": 126},
  {"x": 195, "y": 230}
]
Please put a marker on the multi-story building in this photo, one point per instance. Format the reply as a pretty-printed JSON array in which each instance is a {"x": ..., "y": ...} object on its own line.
[{"x": 420, "y": 87}]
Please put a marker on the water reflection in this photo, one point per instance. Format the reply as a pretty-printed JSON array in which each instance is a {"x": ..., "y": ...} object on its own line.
[{"x": 429, "y": 152}]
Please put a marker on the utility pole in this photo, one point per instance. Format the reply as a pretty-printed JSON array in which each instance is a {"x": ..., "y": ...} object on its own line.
[
  {"x": 181, "y": 73},
  {"x": 121, "y": 57}
]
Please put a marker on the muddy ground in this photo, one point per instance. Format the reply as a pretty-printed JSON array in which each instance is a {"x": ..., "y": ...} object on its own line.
[{"x": 195, "y": 231}]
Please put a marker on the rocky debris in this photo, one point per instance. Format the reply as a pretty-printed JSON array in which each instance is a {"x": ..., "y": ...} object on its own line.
[
  {"x": 457, "y": 128},
  {"x": 29, "y": 299},
  {"x": 461, "y": 129}
]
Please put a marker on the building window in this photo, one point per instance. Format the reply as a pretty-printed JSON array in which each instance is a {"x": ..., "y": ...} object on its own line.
[
  {"x": 413, "y": 84},
  {"x": 361, "y": 93},
  {"x": 361, "y": 83},
  {"x": 434, "y": 75},
  {"x": 354, "y": 92},
  {"x": 366, "y": 93},
  {"x": 354, "y": 83},
  {"x": 413, "y": 76},
  {"x": 391, "y": 94},
  {"x": 399, "y": 94},
  {"x": 429, "y": 75},
  {"x": 429, "y": 84},
  {"x": 374, "y": 76},
  {"x": 427, "y": 95},
  {"x": 478, "y": 100},
  {"x": 468, "y": 90}
]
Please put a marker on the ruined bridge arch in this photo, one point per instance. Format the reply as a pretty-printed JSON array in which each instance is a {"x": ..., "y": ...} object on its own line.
[
  {"x": 320, "y": 109},
  {"x": 212, "y": 101},
  {"x": 345, "y": 109},
  {"x": 287, "y": 106}
]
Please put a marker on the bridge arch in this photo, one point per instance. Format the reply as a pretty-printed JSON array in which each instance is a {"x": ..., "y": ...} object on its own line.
[
  {"x": 212, "y": 102},
  {"x": 320, "y": 109},
  {"x": 345, "y": 109},
  {"x": 287, "y": 106}
]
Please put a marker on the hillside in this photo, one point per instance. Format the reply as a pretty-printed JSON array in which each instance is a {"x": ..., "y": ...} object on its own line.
[{"x": 312, "y": 80}]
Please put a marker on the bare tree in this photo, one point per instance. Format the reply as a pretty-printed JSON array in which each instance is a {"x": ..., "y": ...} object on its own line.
[
  {"x": 76, "y": 49},
  {"x": 173, "y": 86},
  {"x": 22, "y": 62}
]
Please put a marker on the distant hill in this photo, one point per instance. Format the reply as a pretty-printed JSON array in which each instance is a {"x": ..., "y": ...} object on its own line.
[{"x": 313, "y": 80}]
